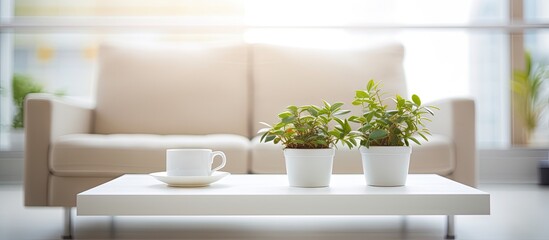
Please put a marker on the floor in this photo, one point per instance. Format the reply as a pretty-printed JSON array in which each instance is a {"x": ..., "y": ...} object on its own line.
[{"x": 519, "y": 211}]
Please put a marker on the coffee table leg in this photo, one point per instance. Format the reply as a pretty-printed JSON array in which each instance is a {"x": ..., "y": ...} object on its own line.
[
  {"x": 112, "y": 227},
  {"x": 450, "y": 234},
  {"x": 68, "y": 223}
]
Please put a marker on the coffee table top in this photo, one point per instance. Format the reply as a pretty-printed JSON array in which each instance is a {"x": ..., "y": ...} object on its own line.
[{"x": 257, "y": 194}]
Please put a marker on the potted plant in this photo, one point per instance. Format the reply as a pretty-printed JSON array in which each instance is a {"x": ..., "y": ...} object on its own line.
[
  {"x": 530, "y": 100},
  {"x": 22, "y": 85},
  {"x": 309, "y": 135},
  {"x": 385, "y": 134}
]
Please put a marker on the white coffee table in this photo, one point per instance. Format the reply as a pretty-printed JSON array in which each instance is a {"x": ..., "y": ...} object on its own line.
[{"x": 270, "y": 195}]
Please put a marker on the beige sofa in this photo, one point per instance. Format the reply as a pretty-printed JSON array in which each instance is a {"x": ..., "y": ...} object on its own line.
[{"x": 153, "y": 97}]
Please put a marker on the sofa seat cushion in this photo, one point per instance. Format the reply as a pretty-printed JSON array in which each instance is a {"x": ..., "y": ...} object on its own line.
[
  {"x": 100, "y": 155},
  {"x": 435, "y": 156}
]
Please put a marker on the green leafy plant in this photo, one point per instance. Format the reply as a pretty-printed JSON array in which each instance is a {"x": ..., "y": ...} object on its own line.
[
  {"x": 528, "y": 88},
  {"x": 22, "y": 85},
  {"x": 310, "y": 127},
  {"x": 380, "y": 126}
]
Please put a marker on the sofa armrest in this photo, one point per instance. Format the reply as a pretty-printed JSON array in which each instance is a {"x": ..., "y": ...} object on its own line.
[
  {"x": 456, "y": 119},
  {"x": 46, "y": 118}
]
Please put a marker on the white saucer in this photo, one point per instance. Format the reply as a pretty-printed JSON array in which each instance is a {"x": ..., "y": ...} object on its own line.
[{"x": 189, "y": 181}]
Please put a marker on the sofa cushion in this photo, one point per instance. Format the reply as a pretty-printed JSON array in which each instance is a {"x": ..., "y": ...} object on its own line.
[
  {"x": 169, "y": 89},
  {"x": 100, "y": 155},
  {"x": 435, "y": 156},
  {"x": 285, "y": 76}
]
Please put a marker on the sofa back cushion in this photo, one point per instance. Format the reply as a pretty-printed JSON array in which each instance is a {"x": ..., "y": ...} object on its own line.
[
  {"x": 173, "y": 89},
  {"x": 284, "y": 76}
]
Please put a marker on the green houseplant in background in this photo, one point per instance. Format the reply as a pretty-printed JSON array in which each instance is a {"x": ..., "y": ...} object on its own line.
[
  {"x": 385, "y": 134},
  {"x": 21, "y": 86},
  {"x": 309, "y": 135},
  {"x": 528, "y": 86}
]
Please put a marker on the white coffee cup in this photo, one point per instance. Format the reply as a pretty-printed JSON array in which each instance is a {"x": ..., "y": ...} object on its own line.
[{"x": 192, "y": 162}]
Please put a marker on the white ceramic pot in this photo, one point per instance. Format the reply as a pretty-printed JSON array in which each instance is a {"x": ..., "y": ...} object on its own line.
[
  {"x": 386, "y": 166},
  {"x": 309, "y": 167}
]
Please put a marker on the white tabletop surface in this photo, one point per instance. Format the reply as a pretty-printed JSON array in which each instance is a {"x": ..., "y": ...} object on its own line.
[{"x": 137, "y": 194}]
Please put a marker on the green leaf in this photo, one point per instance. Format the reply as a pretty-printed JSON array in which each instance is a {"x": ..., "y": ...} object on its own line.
[
  {"x": 400, "y": 102},
  {"x": 353, "y": 141},
  {"x": 365, "y": 128},
  {"x": 370, "y": 85},
  {"x": 326, "y": 104},
  {"x": 263, "y": 137},
  {"x": 423, "y": 136},
  {"x": 341, "y": 112},
  {"x": 338, "y": 120},
  {"x": 528, "y": 61},
  {"x": 292, "y": 108},
  {"x": 279, "y": 125},
  {"x": 415, "y": 140},
  {"x": 336, "y": 106},
  {"x": 270, "y": 138},
  {"x": 347, "y": 126},
  {"x": 288, "y": 119},
  {"x": 312, "y": 111},
  {"x": 378, "y": 134},
  {"x": 361, "y": 94},
  {"x": 278, "y": 132},
  {"x": 356, "y": 102},
  {"x": 334, "y": 133},
  {"x": 391, "y": 112},
  {"x": 349, "y": 145},
  {"x": 429, "y": 110},
  {"x": 416, "y": 100},
  {"x": 284, "y": 115}
]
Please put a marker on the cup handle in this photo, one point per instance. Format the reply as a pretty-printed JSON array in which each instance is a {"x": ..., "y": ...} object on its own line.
[{"x": 223, "y": 157}]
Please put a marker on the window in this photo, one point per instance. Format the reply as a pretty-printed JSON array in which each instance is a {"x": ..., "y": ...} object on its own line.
[{"x": 454, "y": 48}]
